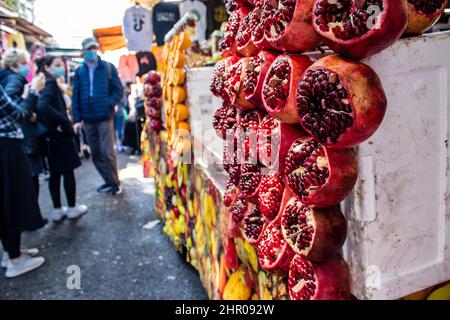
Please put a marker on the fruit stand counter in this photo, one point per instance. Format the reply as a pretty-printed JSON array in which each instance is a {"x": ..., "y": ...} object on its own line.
[{"x": 398, "y": 223}]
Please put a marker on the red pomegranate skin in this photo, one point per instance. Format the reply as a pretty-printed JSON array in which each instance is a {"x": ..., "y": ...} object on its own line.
[
  {"x": 239, "y": 15},
  {"x": 389, "y": 28},
  {"x": 255, "y": 98},
  {"x": 291, "y": 40},
  {"x": 332, "y": 279},
  {"x": 366, "y": 95},
  {"x": 239, "y": 99},
  {"x": 248, "y": 49},
  {"x": 330, "y": 231},
  {"x": 287, "y": 113},
  {"x": 231, "y": 256},
  {"x": 343, "y": 174},
  {"x": 419, "y": 22}
]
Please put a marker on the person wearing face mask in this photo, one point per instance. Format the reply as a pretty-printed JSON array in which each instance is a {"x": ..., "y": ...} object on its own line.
[
  {"x": 62, "y": 151},
  {"x": 13, "y": 79},
  {"x": 97, "y": 90}
]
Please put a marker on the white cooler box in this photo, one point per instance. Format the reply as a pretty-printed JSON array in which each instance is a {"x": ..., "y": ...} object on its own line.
[{"x": 399, "y": 213}]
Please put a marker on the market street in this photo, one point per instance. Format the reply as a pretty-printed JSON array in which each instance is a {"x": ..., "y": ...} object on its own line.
[{"x": 118, "y": 258}]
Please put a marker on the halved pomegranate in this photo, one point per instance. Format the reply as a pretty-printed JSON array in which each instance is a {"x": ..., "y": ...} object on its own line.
[
  {"x": 152, "y": 78},
  {"x": 233, "y": 84},
  {"x": 250, "y": 180},
  {"x": 247, "y": 136},
  {"x": 219, "y": 77},
  {"x": 290, "y": 26},
  {"x": 255, "y": 74},
  {"x": 274, "y": 141},
  {"x": 274, "y": 253},
  {"x": 239, "y": 209},
  {"x": 230, "y": 161},
  {"x": 423, "y": 14},
  {"x": 318, "y": 176},
  {"x": 270, "y": 195},
  {"x": 230, "y": 195},
  {"x": 359, "y": 28},
  {"x": 244, "y": 42},
  {"x": 225, "y": 120},
  {"x": 228, "y": 44},
  {"x": 265, "y": 14},
  {"x": 280, "y": 85},
  {"x": 231, "y": 256},
  {"x": 253, "y": 225},
  {"x": 155, "y": 103},
  {"x": 316, "y": 234},
  {"x": 341, "y": 102},
  {"x": 329, "y": 280}
]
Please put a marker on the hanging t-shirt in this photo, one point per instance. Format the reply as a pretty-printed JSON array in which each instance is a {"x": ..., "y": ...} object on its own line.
[
  {"x": 217, "y": 14},
  {"x": 146, "y": 61},
  {"x": 165, "y": 15},
  {"x": 138, "y": 29},
  {"x": 199, "y": 9}
]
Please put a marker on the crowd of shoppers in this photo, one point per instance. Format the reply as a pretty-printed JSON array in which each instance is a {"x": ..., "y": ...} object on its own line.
[{"x": 37, "y": 127}]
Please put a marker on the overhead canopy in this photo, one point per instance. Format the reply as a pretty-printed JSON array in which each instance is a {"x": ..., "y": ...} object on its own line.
[{"x": 110, "y": 38}]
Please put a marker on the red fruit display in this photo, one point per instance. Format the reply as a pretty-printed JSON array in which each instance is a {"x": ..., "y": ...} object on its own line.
[
  {"x": 152, "y": 91},
  {"x": 231, "y": 256},
  {"x": 274, "y": 254},
  {"x": 423, "y": 14},
  {"x": 153, "y": 78},
  {"x": 235, "y": 75},
  {"x": 265, "y": 14},
  {"x": 329, "y": 280},
  {"x": 359, "y": 29},
  {"x": 247, "y": 136},
  {"x": 228, "y": 44},
  {"x": 219, "y": 77},
  {"x": 270, "y": 195},
  {"x": 255, "y": 73},
  {"x": 250, "y": 180},
  {"x": 225, "y": 120},
  {"x": 245, "y": 46},
  {"x": 156, "y": 124},
  {"x": 239, "y": 209},
  {"x": 230, "y": 195},
  {"x": 340, "y": 102},
  {"x": 280, "y": 86},
  {"x": 155, "y": 103},
  {"x": 230, "y": 161},
  {"x": 318, "y": 176},
  {"x": 290, "y": 27},
  {"x": 253, "y": 225},
  {"x": 316, "y": 234},
  {"x": 275, "y": 138}
]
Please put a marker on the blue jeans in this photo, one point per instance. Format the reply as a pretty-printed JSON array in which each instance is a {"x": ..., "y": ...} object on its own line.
[{"x": 119, "y": 122}]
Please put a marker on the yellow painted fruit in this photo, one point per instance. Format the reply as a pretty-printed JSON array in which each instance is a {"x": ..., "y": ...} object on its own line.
[
  {"x": 251, "y": 255},
  {"x": 255, "y": 297},
  {"x": 240, "y": 248},
  {"x": 236, "y": 287},
  {"x": 442, "y": 293}
]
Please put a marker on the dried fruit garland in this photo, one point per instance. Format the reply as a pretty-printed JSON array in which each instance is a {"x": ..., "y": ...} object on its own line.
[{"x": 289, "y": 124}]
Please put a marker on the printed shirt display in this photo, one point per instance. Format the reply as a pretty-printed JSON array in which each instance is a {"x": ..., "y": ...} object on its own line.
[
  {"x": 165, "y": 15},
  {"x": 199, "y": 9},
  {"x": 138, "y": 29}
]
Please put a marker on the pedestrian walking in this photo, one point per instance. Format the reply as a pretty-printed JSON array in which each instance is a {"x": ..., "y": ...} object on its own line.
[
  {"x": 97, "y": 90},
  {"x": 15, "y": 64},
  {"x": 19, "y": 209},
  {"x": 121, "y": 117},
  {"x": 62, "y": 151}
]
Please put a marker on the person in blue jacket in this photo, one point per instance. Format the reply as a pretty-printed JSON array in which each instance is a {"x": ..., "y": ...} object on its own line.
[{"x": 96, "y": 92}]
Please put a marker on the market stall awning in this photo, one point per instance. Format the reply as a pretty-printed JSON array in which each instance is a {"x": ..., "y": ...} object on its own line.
[{"x": 110, "y": 38}]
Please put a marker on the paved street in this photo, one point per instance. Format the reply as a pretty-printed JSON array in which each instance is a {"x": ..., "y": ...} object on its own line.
[{"x": 118, "y": 258}]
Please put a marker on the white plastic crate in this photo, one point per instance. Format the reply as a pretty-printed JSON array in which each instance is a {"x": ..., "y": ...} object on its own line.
[{"x": 399, "y": 212}]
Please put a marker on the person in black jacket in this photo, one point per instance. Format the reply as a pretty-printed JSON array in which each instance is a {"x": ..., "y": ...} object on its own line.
[
  {"x": 19, "y": 209},
  {"x": 12, "y": 78},
  {"x": 62, "y": 151}
]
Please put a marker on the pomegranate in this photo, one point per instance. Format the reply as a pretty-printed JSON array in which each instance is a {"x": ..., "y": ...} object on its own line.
[
  {"x": 359, "y": 29},
  {"x": 230, "y": 161},
  {"x": 423, "y": 14},
  {"x": 253, "y": 225},
  {"x": 247, "y": 136},
  {"x": 270, "y": 195},
  {"x": 265, "y": 14},
  {"x": 153, "y": 113},
  {"x": 245, "y": 46},
  {"x": 152, "y": 91},
  {"x": 255, "y": 74},
  {"x": 290, "y": 27},
  {"x": 225, "y": 120},
  {"x": 239, "y": 209},
  {"x": 233, "y": 84},
  {"x": 250, "y": 180},
  {"x": 340, "y": 102},
  {"x": 329, "y": 280},
  {"x": 316, "y": 234},
  {"x": 274, "y": 254},
  {"x": 155, "y": 103},
  {"x": 279, "y": 89},
  {"x": 319, "y": 176},
  {"x": 219, "y": 77},
  {"x": 153, "y": 78},
  {"x": 274, "y": 141},
  {"x": 156, "y": 124},
  {"x": 231, "y": 256},
  {"x": 230, "y": 194},
  {"x": 228, "y": 44}
]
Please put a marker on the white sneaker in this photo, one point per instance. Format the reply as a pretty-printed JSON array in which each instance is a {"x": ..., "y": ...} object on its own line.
[
  {"x": 23, "y": 265},
  {"x": 58, "y": 214},
  {"x": 77, "y": 212},
  {"x": 33, "y": 252}
]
